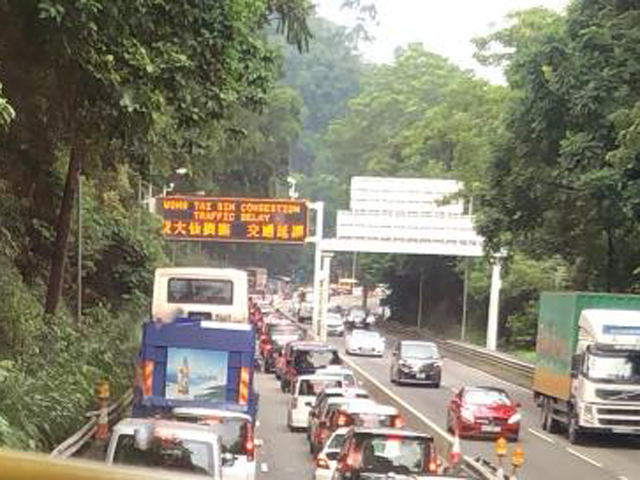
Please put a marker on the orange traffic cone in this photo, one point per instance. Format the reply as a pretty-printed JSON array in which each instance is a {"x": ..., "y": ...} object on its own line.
[{"x": 456, "y": 451}]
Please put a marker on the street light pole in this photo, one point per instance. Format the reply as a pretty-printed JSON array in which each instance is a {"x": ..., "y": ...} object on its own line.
[{"x": 79, "y": 280}]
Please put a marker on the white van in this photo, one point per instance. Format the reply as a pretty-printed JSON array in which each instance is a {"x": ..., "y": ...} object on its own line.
[
  {"x": 236, "y": 438},
  {"x": 179, "y": 447},
  {"x": 200, "y": 293}
]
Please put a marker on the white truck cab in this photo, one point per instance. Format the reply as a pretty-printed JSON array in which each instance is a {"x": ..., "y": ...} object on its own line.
[
  {"x": 200, "y": 293},
  {"x": 606, "y": 382}
]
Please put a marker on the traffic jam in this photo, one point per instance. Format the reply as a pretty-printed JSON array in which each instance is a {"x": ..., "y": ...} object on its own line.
[
  {"x": 196, "y": 403},
  {"x": 351, "y": 435}
]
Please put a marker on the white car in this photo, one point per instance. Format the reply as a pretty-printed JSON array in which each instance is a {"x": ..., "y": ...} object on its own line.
[
  {"x": 349, "y": 379},
  {"x": 365, "y": 342},
  {"x": 327, "y": 459},
  {"x": 335, "y": 324},
  {"x": 304, "y": 393},
  {"x": 236, "y": 434},
  {"x": 164, "y": 444}
]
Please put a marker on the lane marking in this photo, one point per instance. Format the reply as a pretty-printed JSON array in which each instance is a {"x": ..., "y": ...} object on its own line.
[
  {"x": 542, "y": 436},
  {"x": 398, "y": 400},
  {"x": 584, "y": 457},
  {"x": 264, "y": 467}
]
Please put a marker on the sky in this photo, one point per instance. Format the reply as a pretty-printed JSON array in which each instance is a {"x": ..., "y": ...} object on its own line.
[{"x": 445, "y": 27}]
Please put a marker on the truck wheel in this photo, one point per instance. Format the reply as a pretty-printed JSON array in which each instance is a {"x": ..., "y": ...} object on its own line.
[
  {"x": 547, "y": 422},
  {"x": 574, "y": 434}
]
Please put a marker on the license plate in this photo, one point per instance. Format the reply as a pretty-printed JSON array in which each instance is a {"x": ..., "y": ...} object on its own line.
[
  {"x": 489, "y": 429},
  {"x": 421, "y": 376}
]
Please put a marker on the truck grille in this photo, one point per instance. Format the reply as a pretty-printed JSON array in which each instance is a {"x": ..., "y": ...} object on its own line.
[
  {"x": 619, "y": 395},
  {"x": 619, "y": 423},
  {"x": 619, "y": 412}
]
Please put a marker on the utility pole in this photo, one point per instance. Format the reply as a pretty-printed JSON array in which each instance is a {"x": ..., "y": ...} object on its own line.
[
  {"x": 420, "y": 300},
  {"x": 79, "y": 281}
]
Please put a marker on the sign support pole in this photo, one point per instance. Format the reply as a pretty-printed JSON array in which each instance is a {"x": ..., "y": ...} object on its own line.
[
  {"x": 317, "y": 266},
  {"x": 324, "y": 292},
  {"x": 494, "y": 304}
]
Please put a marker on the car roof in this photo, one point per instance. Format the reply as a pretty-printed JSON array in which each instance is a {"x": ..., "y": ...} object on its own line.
[
  {"x": 484, "y": 389},
  {"x": 209, "y": 412},
  {"x": 306, "y": 345},
  {"x": 318, "y": 377},
  {"x": 375, "y": 409},
  {"x": 418, "y": 342},
  {"x": 343, "y": 391},
  {"x": 192, "y": 431},
  {"x": 346, "y": 400},
  {"x": 396, "y": 432}
]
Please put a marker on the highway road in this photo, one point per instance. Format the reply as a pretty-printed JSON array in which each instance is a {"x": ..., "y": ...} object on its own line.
[{"x": 547, "y": 456}]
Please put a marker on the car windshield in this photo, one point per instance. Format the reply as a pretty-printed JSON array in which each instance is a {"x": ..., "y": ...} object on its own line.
[
  {"x": 357, "y": 314},
  {"x": 312, "y": 387},
  {"x": 372, "y": 420},
  {"x": 192, "y": 290},
  {"x": 315, "y": 359},
  {"x": 282, "y": 330},
  {"x": 232, "y": 432},
  {"x": 486, "y": 397},
  {"x": 170, "y": 453},
  {"x": 614, "y": 368},
  {"x": 337, "y": 440},
  {"x": 392, "y": 454},
  {"x": 418, "y": 351}
]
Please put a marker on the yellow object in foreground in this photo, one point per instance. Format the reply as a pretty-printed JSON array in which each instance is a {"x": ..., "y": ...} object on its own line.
[{"x": 29, "y": 466}]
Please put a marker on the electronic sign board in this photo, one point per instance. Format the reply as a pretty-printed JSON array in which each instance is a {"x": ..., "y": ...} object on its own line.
[{"x": 260, "y": 220}]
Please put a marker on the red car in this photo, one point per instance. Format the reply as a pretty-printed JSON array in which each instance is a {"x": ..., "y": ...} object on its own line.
[{"x": 484, "y": 412}]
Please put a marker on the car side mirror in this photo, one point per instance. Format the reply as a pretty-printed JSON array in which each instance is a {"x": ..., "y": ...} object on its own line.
[{"x": 576, "y": 364}]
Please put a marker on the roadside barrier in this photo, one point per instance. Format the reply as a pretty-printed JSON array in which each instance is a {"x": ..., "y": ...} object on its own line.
[{"x": 86, "y": 433}]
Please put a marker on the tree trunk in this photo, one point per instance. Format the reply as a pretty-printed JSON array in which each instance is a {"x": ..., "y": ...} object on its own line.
[{"x": 63, "y": 226}]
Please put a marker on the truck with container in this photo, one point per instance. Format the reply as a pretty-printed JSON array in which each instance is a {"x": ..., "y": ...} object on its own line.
[
  {"x": 587, "y": 372},
  {"x": 198, "y": 350}
]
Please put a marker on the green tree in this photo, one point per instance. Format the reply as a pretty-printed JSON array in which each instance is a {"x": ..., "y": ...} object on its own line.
[
  {"x": 565, "y": 179},
  {"x": 96, "y": 77}
]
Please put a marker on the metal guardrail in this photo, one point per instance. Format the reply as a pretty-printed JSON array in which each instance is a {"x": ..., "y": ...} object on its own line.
[{"x": 85, "y": 434}]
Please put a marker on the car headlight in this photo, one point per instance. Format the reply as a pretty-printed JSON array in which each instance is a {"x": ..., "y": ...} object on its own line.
[
  {"x": 467, "y": 415},
  {"x": 588, "y": 414},
  {"x": 515, "y": 418}
]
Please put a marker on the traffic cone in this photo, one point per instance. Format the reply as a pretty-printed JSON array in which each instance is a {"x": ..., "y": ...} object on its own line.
[
  {"x": 456, "y": 451},
  {"x": 103, "y": 422}
]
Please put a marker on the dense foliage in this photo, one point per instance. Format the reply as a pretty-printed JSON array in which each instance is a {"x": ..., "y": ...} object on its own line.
[
  {"x": 114, "y": 96},
  {"x": 565, "y": 181},
  {"x": 551, "y": 161}
]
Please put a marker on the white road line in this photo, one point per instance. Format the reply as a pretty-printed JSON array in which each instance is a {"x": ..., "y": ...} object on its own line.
[
  {"x": 397, "y": 399},
  {"x": 540, "y": 435},
  {"x": 584, "y": 457},
  {"x": 264, "y": 467},
  {"x": 622, "y": 478}
]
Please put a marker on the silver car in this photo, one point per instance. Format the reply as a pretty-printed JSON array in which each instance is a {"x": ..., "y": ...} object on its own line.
[{"x": 365, "y": 342}]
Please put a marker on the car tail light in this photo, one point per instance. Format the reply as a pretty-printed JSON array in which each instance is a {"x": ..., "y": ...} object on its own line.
[
  {"x": 432, "y": 465},
  {"x": 397, "y": 421},
  {"x": 243, "y": 386},
  {"x": 250, "y": 445},
  {"x": 322, "y": 462},
  {"x": 343, "y": 420},
  {"x": 147, "y": 377}
]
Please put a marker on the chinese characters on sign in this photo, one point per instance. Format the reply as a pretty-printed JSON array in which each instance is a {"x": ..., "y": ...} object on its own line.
[{"x": 234, "y": 219}]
